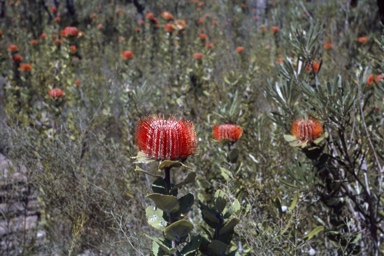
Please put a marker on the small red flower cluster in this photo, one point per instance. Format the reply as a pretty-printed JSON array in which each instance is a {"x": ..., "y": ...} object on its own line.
[
  {"x": 163, "y": 139},
  {"x": 70, "y": 32},
  {"x": 127, "y": 55},
  {"x": 230, "y": 132},
  {"x": 306, "y": 130},
  {"x": 56, "y": 93}
]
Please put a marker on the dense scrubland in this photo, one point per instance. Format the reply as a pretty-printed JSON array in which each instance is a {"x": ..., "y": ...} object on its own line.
[{"x": 296, "y": 170}]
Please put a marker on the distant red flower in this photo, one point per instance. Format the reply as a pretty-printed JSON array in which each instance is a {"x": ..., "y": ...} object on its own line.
[
  {"x": 73, "y": 48},
  {"x": 70, "y": 32},
  {"x": 306, "y": 130},
  {"x": 77, "y": 82},
  {"x": 379, "y": 78},
  {"x": 150, "y": 16},
  {"x": 203, "y": 37},
  {"x": 58, "y": 41},
  {"x": 230, "y": 132},
  {"x": 209, "y": 45},
  {"x": 263, "y": 29},
  {"x": 163, "y": 139},
  {"x": 1, "y": 34},
  {"x": 239, "y": 49},
  {"x": 57, "y": 19},
  {"x": 127, "y": 55},
  {"x": 17, "y": 58},
  {"x": 201, "y": 20},
  {"x": 279, "y": 60},
  {"x": 362, "y": 39},
  {"x": 53, "y": 9},
  {"x": 100, "y": 26},
  {"x": 314, "y": 66},
  {"x": 169, "y": 27},
  {"x": 328, "y": 46},
  {"x": 13, "y": 48},
  {"x": 167, "y": 16},
  {"x": 43, "y": 36},
  {"x": 56, "y": 93},
  {"x": 370, "y": 79},
  {"x": 180, "y": 24},
  {"x": 33, "y": 42},
  {"x": 25, "y": 67},
  {"x": 198, "y": 56},
  {"x": 275, "y": 29}
]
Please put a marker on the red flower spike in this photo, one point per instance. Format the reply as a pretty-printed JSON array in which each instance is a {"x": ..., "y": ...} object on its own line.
[
  {"x": 239, "y": 49},
  {"x": 70, "y": 32},
  {"x": 198, "y": 56},
  {"x": 306, "y": 130},
  {"x": 13, "y": 48},
  {"x": 127, "y": 55},
  {"x": 17, "y": 58},
  {"x": 56, "y": 93},
  {"x": 230, "y": 132},
  {"x": 25, "y": 67},
  {"x": 162, "y": 139}
]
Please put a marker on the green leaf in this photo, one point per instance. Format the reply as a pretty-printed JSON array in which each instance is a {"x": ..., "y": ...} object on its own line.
[
  {"x": 207, "y": 215},
  {"x": 155, "y": 219},
  {"x": 294, "y": 202},
  {"x": 220, "y": 204},
  {"x": 142, "y": 158},
  {"x": 227, "y": 175},
  {"x": 178, "y": 230},
  {"x": 189, "y": 179},
  {"x": 233, "y": 155},
  {"x": 234, "y": 208},
  {"x": 158, "y": 186},
  {"x": 289, "y": 137},
  {"x": 169, "y": 164},
  {"x": 138, "y": 169},
  {"x": 165, "y": 245},
  {"x": 217, "y": 248},
  {"x": 314, "y": 232},
  {"x": 192, "y": 247},
  {"x": 186, "y": 203},
  {"x": 229, "y": 226},
  {"x": 166, "y": 203}
]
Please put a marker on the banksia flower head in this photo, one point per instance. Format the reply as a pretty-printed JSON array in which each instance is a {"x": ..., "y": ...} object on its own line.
[
  {"x": 70, "y": 32},
  {"x": 13, "y": 48},
  {"x": 230, "y": 132},
  {"x": 163, "y": 139},
  {"x": 306, "y": 130},
  {"x": 127, "y": 55},
  {"x": 56, "y": 93}
]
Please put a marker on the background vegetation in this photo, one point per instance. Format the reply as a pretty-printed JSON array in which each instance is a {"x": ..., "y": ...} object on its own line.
[{"x": 78, "y": 149}]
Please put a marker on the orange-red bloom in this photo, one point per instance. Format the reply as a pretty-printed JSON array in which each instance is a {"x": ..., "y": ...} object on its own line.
[
  {"x": 306, "y": 130},
  {"x": 370, "y": 79},
  {"x": 73, "y": 48},
  {"x": 362, "y": 39},
  {"x": 203, "y": 37},
  {"x": 275, "y": 29},
  {"x": 239, "y": 49},
  {"x": 379, "y": 78},
  {"x": 17, "y": 58},
  {"x": 25, "y": 67},
  {"x": 70, "y": 32},
  {"x": 328, "y": 46},
  {"x": 180, "y": 24},
  {"x": 127, "y": 55},
  {"x": 56, "y": 93},
  {"x": 230, "y": 132},
  {"x": 198, "y": 56},
  {"x": 33, "y": 42},
  {"x": 169, "y": 27},
  {"x": 13, "y": 48},
  {"x": 163, "y": 139},
  {"x": 313, "y": 67},
  {"x": 167, "y": 16}
]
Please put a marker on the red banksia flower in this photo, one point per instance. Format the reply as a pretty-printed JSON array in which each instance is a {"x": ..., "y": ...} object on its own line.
[
  {"x": 70, "y": 32},
  {"x": 169, "y": 27},
  {"x": 127, "y": 55},
  {"x": 17, "y": 58},
  {"x": 73, "y": 48},
  {"x": 239, "y": 49},
  {"x": 25, "y": 67},
  {"x": 13, "y": 48},
  {"x": 306, "y": 130},
  {"x": 230, "y": 132},
  {"x": 313, "y": 67},
  {"x": 33, "y": 42},
  {"x": 370, "y": 79},
  {"x": 167, "y": 16},
  {"x": 169, "y": 139},
  {"x": 203, "y": 37},
  {"x": 198, "y": 56},
  {"x": 56, "y": 93},
  {"x": 328, "y": 46},
  {"x": 275, "y": 29},
  {"x": 362, "y": 39}
]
